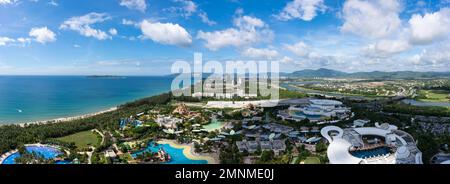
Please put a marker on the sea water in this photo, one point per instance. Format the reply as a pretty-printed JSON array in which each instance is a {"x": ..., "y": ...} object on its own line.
[{"x": 38, "y": 98}]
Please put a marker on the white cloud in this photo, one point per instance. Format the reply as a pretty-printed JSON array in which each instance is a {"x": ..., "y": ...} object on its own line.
[
  {"x": 248, "y": 22},
  {"x": 374, "y": 18},
  {"x": 140, "y": 5},
  {"x": 286, "y": 60},
  {"x": 301, "y": 9},
  {"x": 165, "y": 33},
  {"x": 299, "y": 49},
  {"x": 430, "y": 27},
  {"x": 24, "y": 41},
  {"x": 4, "y": 2},
  {"x": 386, "y": 48},
  {"x": 260, "y": 53},
  {"x": 4, "y": 66},
  {"x": 438, "y": 55},
  {"x": 421, "y": 30},
  {"x": 5, "y": 41},
  {"x": 76, "y": 46},
  {"x": 188, "y": 7},
  {"x": 205, "y": 19},
  {"x": 185, "y": 8},
  {"x": 130, "y": 22},
  {"x": 118, "y": 63},
  {"x": 113, "y": 31},
  {"x": 247, "y": 31},
  {"x": 42, "y": 35},
  {"x": 83, "y": 25},
  {"x": 53, "y": 3}
]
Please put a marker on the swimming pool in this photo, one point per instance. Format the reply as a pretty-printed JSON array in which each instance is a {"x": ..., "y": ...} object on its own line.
[
  {"x": 46, "y": 151},
  {"x": 214, "y": 125},
  {"x": 177, "y": 155},
  {"x": 63, "y": 162},
  {"x": 371, "y": 153}
]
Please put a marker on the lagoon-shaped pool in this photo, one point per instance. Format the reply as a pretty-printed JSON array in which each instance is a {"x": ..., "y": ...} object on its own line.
[
  {"x": 214, "y": 125},
  {"x": 46, "y": 151},
  {"x": 176, "y": 154}
]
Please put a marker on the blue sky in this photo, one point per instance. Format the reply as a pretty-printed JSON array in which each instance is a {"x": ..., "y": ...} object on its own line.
[{"x": 144, "y": 37}]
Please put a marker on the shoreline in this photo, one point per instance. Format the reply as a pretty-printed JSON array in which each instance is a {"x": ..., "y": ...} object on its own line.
[
  {"x": 188, "y": 151},
  {"x": 63, "y": 119},
  {"x": 77, "y": 117}
]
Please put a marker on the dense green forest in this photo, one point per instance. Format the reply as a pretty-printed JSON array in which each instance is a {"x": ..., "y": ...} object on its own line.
[{"x": 13, "y": 136}]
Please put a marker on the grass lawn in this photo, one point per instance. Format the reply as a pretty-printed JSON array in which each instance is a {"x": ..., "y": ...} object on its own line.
[
  {"x": 312, "y": 160},
  {"x": 434, "y": 96},
  {"x": 83, "y": 139}
]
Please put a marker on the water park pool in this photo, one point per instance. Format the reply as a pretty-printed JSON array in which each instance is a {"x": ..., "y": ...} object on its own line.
[
  {"x": 214, "y": 125},
  {"x": 177, "y": 155},
  {"x": 46, "y": 151},
  {"x": 371, "y": 153}
]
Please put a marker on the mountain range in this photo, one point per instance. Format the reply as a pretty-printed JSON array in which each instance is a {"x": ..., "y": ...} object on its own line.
[{"x": 327, "y": 73}]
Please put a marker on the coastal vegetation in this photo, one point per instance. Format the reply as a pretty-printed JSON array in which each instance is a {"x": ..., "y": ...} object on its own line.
[{"x": 13, "y": 136}]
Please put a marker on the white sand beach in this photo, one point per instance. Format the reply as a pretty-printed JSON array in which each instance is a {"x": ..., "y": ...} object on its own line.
[{"x": 60, "y": 120}]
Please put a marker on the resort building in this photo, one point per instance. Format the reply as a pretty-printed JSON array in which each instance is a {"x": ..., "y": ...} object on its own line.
[
  {"x": 360, "y": 123},
  {"x": 242, "y": 146},
  {"x": 124, "y": 122},
  {"x": 168, "y": 121},
  {"x": 277, "y": 128},
  {"x": 277, "y": 146},
  {"x": 382, "y": 144},
  {"x": 317, "y": 110},
  {"x": 217, "y": 87},
  {"x": 440, "y": 158}
]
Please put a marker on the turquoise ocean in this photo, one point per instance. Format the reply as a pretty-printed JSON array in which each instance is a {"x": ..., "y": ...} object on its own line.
[{"x": 38, "y": 98}]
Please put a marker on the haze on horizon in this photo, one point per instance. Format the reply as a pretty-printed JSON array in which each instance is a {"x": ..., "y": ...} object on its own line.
[{"x": 144, "y": 37}]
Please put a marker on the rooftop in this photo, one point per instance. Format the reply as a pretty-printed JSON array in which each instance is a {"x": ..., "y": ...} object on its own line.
[{"x": 342, "y": 141}]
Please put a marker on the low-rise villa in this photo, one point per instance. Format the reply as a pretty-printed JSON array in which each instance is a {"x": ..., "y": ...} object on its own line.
[
  {"x": 277, "y": 128},
  {"x": 277, "y": 146},
  {"x": 382, "y": 144}
]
